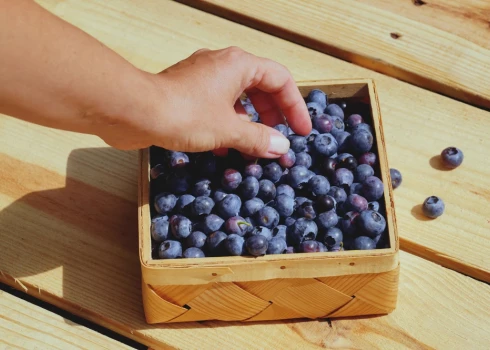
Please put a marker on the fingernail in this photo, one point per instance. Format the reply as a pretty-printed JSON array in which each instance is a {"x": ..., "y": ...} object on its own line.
[{"x": 279, "y": 145}]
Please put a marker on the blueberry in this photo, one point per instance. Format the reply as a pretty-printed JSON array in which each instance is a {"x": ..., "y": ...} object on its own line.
[
  {"x": 237, "y": 225},
  {"x": 183, "y": 204},
  {"x": 325, "y": 203},
  {"x": 262, "y": 231},
  {"x": 279, "y": 231},
  {"x": 325, "y": 144},
  {"x": 361, "y": 141},
  {"x": 257, "y": 245},
  {"x": 202, "y": 188},
  {"x": 283, "y": 129},
  {"x": 396, "y": 178},
  {"x": 373, "y": 206},
  {"x": 277, "y": 245},
  {"x": 328, "y": 166},
  {"x": 306, "y": 210},
  {"x": 249, "y": 188},
  {"x": 215, "y": 243},
  {"x": 333, "y": 238},
  {"x": 159, "y": 228},
  {"x": 363, "y": 243},
  {"x": 165, "y": 202},
  {"x": 170, "y": 249},
  {"x": 273, "y": 172},
  {"x": 298, "y": 176},
  {"x": 362, "y": 126},
  {"x": 254, "y": 170},
  {"x": 193, "y": 252},
  {"x": 362, "y": 172},
  {"x": 231, "y": 179},
  {"x": 452, "y": 157},
  {"x": 288, "y": 159},
  {"x": 348, "y": 162},
  {"x": 178, "y": 159},
  {"x": 314, "y": 109},
  {"x": 327, "y": 219},
  {"x": 368, "y": 158},
  {"x": 303, "y": 159},
  {"x": 337, "y": 125},
  {"x": 317, "y": 96},
  {"x": 302, "y": 230},
  {"x": 353, "y": 120},
  {"x": 284, "y": 205},
  {"x": 229, "y": 206},
  {"x": 343, "y": 177},
  {"x": 156, "y": 171},
  {"x": 318, "y": 185},
  {"x": 343, "y": 139},
  {"x": 268, "y": 217},
  {"x": 308, "y": 247},
  {"x": 181, "y": 226},
  {"x": 202, "y": 206},
  {"x": 355, "y": 202},
  {"x": 289, "y": 221},
  {"x": 252, "y": 206},
  {"x": 300, "y": 200},
  {"x": 322, "y": 123},
  {"x": 267, "y": 190},
  {"x": 372, "y": 188},
  {"x": 349, "y": 222},
  {"x": 285, "y": 189},
  {"x": 211, "y": 223},
  {"x": 196, "y": 239},
  {"x": 338, "y": 194},
  {"x": 297, "y": 143},
  {"x": 433, "y": 207},
  {"x": 355, "y": 188},
  {"x": 219, "y": 194},
  {"x": 371, "y": 223},
  {"x": 335, "y": 110},
  {"x": 235, "y": 245}
]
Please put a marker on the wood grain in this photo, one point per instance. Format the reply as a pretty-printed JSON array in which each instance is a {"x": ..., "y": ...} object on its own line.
[
  {"x": 418, "y": 124},
  {"x": 26, "y": 326},
  {"x": 384, "y": 41}
]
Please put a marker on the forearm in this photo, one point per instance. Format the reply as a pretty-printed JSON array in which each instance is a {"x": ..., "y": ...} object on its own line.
[{"x": 53, "y": 74}]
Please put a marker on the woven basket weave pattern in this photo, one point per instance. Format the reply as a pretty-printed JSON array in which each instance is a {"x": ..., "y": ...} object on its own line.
[{"x": 341, "y": 296}]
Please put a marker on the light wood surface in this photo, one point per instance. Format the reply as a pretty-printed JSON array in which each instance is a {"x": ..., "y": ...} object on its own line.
[
  {"x": 418, "y": 124},
  {"x": 26, "y": 326},
  {"x": 385, "y": 41},
  {"x": 68, "y": 209}
]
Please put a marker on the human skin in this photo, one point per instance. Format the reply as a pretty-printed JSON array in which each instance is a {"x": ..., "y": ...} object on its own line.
[{"x": 54, "y": 74}]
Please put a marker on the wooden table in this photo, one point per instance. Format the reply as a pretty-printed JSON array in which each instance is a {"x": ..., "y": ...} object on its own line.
[{"x": 68, "y": 224}]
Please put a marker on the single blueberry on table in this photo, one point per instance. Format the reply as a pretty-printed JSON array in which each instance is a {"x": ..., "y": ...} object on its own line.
[
  {"x": 202, "y": 188},
  {"x": 215, "y": 243},
  {"x": 237, "y": 225},
  {"x": 356, "y": 203},
  {"x": 181, "y": 226},
  {"x": 335, "y": 111},
  {"x": 273, "y": 172},
  {"x": 325, "y": 144},
  {"x": 211, "y": 223},
  {"x": 284, "y": 205},
  {"x": 193, "y": 253},
  {"x": 318, "y": 185},
  {"x": 396, "y": 178},
  {"x": 302, "y": 230},
  {"x": 267, "y": 190},
  {"x": 235, "y": 245},
  {"x": 196, "y": 239},
  {"x": 325, "y": 203},
  {"x": 361, "y": 141},
  {"x": 159, "y": 228},
  {"x": 231, "y": 179},
  {"x": 165, "y": 202},
  {"x": 257, "y": 245},
  {"x": 433, "y": 207},
  {"x": 368, "y": 158},
  {"x": 252, "y": 206},
  {"x": 333, "y": 238},
  {"x": 170, "y": 249},
  {"x": 254, "y": 170},
  {"x": 183, "y": 204},
  {"x": 297, "y": 143},
  {"x": 306, "y": 210},
  {"x": 363, "y": 243},
  {"x": 338, "y": 193},
  {"x": 277, "y": 245},
  {"x": 287, "y": 160},
  {"x": 362, "y": 172},
  {"x": 327, "y": 219},
  {"x": 249, "y": 188},
  {"x": 338, "y": 125},
  {"x": 371, "y": 223},
  {"x": 322, "y": 123},
  {"x": 283, "y": 129},
  {"x": 372, "y": 188},
  {"x": 353, "y": 120},
  {"x": 229, "y": 206},
  {"x": 267, "y": 217},
  {"x": 343, "y": 177},
  {"x": 452, "y": 157},
  {"x": 317, "y": 96},
  {"x": 202, "y": 206},
  {"x": 314, "y": 109},
  {"x": 285, "y": 189},
  {"x": 303, "y": 159},
  {"x": 298, "y": 176}
]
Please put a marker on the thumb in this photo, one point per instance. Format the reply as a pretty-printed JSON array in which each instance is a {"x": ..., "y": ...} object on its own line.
[{"x": 256, "y": 139}]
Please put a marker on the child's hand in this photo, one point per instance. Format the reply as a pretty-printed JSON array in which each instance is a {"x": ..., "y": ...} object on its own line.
[{"x": 195, "y": 100}]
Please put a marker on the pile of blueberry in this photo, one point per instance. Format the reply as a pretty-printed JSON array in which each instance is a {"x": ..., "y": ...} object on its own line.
[{"x": 325, "y": 194}]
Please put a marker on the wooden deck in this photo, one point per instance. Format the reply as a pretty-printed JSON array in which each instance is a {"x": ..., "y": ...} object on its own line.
[{"x": 68, "y": 209}]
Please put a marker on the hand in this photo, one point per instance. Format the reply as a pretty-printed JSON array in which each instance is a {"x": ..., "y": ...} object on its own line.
[{"x": 197, "y": 106}]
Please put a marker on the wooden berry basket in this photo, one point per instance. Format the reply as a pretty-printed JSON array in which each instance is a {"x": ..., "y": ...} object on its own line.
[{"x": 274, "y": 287}]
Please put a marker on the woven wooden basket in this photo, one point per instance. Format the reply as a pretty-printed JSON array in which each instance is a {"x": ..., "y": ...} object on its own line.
[{"x": 274, "y": 287}]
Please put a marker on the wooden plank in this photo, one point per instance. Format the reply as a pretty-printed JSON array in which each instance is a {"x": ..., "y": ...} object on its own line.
[
  {"x": 26, "y": 326},
  {"x": 370, "y": 36},
  {"x": 418, "y": 124}
]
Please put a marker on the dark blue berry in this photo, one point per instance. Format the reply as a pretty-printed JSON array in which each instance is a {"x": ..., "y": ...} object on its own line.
[
  {"x": 433, "y": 207},
  {"x": 218, "y": 195},
  {"x": 181, "y": 226},
  {"x": 202, "y": 188},
  {"x": 328, "y": 166},
  {"x": 317, "y": 96},
  {"x": 355, "y": 202},
  {"x": 260, "y": 230},
  {"x": 327, "y": 219},
  {"x": 338, "y": 126},
  {"x": 355, "y": 188},
  {"x": 362, "y": 172},
  {"x": 363, "y": 243},
  {"x": 314, "y": 109},
  {"x": 277, "y": 245},
  {"x": 235, "y": 245},
  {"x": 343, "y": 177},
  {"x": 325, "y": 203},
  {"x": 333, "y": 238},
  {"x": 267, "y": 217},
  {"x": 249, "y": 188},
  {"x": 267, "y": 190},
  {"x": 202, "y": 206},
  {"x": 349, "y": 223},
  {"x": 372, "y": 188},
  {"x": 396, "y": 178},
  {"x": 193, "y": 252},
  {"x": 335, "y": 110},
  {"x": 353, "y": 120},
  {"x": 303, "y": 159},
  {"x": 298, "y": 176},
  {"x": 318, "y": 185},
  {"x": 343, "y": 139},
  {"x": 254, "y": 170},
  {"x": 196, "y": 239},
  {"x": 302, "y": 230},
  {"x": 289, "y": 221},
  {"x": 297, "y": 143},
  {"x": 362, "y": 126},
  {"x": 165, "y": 202},
  {"x": 159, "y": 228},
  {"x": 257, "y": 245},
  {"x": 452, "y": 157},
  {"x": 178, "y": 159},
  {"x": 284, "y": 205},
  {"x": 349, "y": 163},
  {"x": 361, "y": 141},
  {"x": 183, "y": 204},
  {"x": 273, "y": 172},
  {"x": 285, "y": 189},
  {"x": 215, "y": 243},
  {"x": 338, "y": 193},
  {"x": 279, "y": 231},
  {"x": 325, "y": 144},
  {"x": 211, "y": 223},
  {"x": 229, "y": 206},
  {"x": 252, "y": 206},
  {"x": 306, "y": 210},
  {"x": 170, "y": 249},
  {"x": 373, "y": 206},
  {"x": 371, "y": 223}
]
